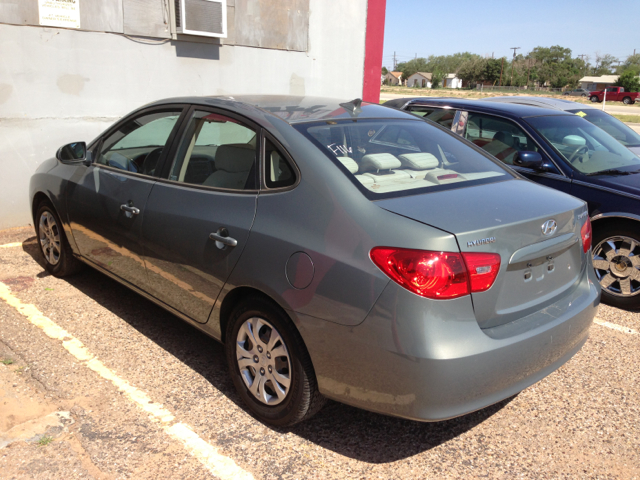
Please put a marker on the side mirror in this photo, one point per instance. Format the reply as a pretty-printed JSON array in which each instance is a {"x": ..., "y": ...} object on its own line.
[
  {"x": 528, "y": 160},
  {"x": 73, "y": 152}
]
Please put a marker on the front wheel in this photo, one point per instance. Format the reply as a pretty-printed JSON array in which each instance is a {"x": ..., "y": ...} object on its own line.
[
  {"x": 593, "y": 98},
  {"x": 269, "y": 364},
  {"x": 616, "y": 259},
  {"x": 55, "y": 249}
]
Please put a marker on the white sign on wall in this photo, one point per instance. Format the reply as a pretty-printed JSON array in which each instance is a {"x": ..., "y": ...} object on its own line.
[{"x": 60, "y": 13}]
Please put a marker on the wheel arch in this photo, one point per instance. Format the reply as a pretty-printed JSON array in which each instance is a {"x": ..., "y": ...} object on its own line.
[
  {"x": 602, "y": 220},
  {"x": 38, "y": 198},
  {"x": 236, "y": 296}
]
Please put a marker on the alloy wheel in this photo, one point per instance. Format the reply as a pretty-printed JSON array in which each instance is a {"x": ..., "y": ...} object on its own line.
[
  {"x": 617, "y": 261},
  {"x": 263, "y": 361},
  {"x": 50, "y": 242}
]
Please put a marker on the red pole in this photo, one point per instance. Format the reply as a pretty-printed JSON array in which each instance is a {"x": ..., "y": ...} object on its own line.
[{"x": 374, "y": 43}]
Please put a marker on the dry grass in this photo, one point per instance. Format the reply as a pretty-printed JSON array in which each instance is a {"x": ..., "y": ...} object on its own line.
[
  {"x": 471, "y": 94},
  {"x": 628, "y": 118}
]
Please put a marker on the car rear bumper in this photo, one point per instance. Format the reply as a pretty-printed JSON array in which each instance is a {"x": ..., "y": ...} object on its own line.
[{"x": 429, "y": 360}]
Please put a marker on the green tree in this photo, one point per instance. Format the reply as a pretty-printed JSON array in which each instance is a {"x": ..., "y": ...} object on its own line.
[
  {"x": 631, "y": 63},
  {"x": 436, "y": 78},
  {"x": 629, "y": 81},
  {"x": 472, "y": 71},
  {"x": 491, "y": 72},
  {"x": 384, "y": 70}
]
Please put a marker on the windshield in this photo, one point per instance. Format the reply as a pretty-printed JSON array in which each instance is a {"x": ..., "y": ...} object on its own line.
[
  {"x": 614, "y": 127},
  {"x": 385, "y": 156},
  {"x": 586, "y": 147}
]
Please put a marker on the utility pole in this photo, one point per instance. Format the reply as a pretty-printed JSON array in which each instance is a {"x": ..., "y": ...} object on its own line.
[
  {"x": 394, "y": 61},
  {"x": 528, "y": 70},
  {"x": 513, "y": 61},
  {"x": 501, "y": 67}
]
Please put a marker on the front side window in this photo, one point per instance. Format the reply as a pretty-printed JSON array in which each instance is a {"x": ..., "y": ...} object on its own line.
[
  {"x": 216, "y": 151},
  {"x": 614, "y": 127},
  {"x": 137, "y": 145},
  {"x": 390, "y": 156},
  {"x": 497, "y": 136},
  {"x": 586, "y": 147}
]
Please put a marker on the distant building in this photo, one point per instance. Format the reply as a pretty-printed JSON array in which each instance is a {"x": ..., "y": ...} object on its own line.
[
  {"x": 451, "y": 81},
  {"x": 393, "y": 78},
  {"x": 598, "y": 83},
  {"x": 419, "y": 79}
]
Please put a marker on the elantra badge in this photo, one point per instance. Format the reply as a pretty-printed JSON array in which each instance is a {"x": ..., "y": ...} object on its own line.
[{"x": 549, "y": 227}]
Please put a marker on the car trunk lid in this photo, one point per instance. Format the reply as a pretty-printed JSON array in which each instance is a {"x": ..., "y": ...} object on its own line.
[{"x": 508, "y": 218}]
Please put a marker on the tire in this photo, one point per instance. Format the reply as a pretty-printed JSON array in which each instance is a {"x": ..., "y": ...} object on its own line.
[
  {"x": 593, "y": 98},
  {"x": 626, "y": 100},
  {"x": 54, "y": 247},
  {"x": 619, "y": 276},
  {"x": 274, "y": 403}
]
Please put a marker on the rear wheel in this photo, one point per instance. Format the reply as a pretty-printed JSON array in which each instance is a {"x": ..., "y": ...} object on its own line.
[
  {"x": 616, "y": 259},
  {"x": 270, "y": 366},
  {"x": 55, "y": 249},
  {"x": 627, "y": 100},
  {"x": 593, "y": 98}
]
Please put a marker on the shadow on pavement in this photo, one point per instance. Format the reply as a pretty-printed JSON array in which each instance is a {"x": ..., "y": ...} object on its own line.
[{"x": 348, "y": 431}]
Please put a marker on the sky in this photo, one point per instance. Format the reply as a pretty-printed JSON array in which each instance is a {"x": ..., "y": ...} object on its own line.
[{"x": 428, "y": 27}]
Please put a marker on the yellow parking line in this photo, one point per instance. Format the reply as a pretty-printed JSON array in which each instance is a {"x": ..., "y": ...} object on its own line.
[
  {"x": 615, "y": 326},
  {"x": 219, "y": 465},
  {"x": 11, "y": 245}
]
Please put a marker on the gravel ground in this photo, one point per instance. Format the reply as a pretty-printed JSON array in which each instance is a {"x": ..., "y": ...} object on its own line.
[{"x": 583, "y": 421}]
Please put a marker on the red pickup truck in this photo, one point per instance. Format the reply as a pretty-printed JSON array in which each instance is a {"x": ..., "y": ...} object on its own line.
[{"x": 615, "y": 94}]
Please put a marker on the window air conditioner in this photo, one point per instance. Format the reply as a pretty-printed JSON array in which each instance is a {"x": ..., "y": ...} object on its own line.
[{"x": 201, "y": 17}]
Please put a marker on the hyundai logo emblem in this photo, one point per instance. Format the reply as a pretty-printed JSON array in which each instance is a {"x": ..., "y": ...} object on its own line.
[{"x": 549, "y": 227}]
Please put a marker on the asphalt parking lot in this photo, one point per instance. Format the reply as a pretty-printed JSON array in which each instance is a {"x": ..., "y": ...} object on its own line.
[{"x": 97, "y": 382}]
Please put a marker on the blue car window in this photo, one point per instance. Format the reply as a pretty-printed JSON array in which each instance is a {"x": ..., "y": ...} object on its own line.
[{"x": 584, "y": 146}]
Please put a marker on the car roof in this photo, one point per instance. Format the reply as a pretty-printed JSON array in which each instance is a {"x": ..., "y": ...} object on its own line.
[
  {"x": 292, "y": 109},
  {"x": 546, "y": 102},
  {"x": 510, "y": 109}
]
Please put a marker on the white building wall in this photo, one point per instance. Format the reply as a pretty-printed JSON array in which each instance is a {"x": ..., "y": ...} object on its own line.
[{"x": 59, "y": 86}]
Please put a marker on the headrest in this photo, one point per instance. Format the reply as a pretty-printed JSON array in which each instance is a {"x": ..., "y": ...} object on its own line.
[
  {"x": 573, "y": 141},
  {"x": 379, "y": 161},
  {"x": 505, "y": 137},
  {"x": 235, "y": 158},
  {"x": 418, "y": 161},
  {"x": 349, "y": 163}
]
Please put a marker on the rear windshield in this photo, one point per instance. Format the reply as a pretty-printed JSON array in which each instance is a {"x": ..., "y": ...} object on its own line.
[
  {"x": 614, "y": 127},
  {"x": 391, "y": 157},
  {"x": 586, "y": 147}
]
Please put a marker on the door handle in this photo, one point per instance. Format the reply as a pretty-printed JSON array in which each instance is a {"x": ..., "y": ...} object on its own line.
[
  {"x": 130, "y": 209},
  {"x": 222, "y": 238}
]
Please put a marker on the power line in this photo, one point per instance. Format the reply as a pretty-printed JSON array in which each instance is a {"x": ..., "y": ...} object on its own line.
[{"x": 514, "y": 60}]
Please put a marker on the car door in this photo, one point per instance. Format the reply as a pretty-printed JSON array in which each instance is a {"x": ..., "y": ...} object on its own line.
[
  {"x": 503, "y": 138},
  {"x": 106, "y": 202},
  {"x": 199, "y": 215}
]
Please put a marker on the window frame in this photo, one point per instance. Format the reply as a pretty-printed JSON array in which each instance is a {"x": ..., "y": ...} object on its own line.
[
  {"x": 180, "y": 137},
  {"x": 96, "y": 145}
]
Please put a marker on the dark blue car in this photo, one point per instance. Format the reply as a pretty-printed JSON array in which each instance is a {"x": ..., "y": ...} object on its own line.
[{"x": 563, "y": 151}]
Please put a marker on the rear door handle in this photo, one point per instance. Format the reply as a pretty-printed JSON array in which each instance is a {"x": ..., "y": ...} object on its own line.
[
  {"x": 130, "y": 209},
  {"x": 222, "y": 238}
]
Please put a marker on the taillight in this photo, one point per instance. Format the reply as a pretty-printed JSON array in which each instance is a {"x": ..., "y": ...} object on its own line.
[
  {"x": 438, "y": 275},
  {"x": 586, "y": 234},
  {"x": 483, "y": 269}
]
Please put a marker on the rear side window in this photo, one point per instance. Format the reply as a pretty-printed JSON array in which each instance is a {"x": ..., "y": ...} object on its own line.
[
  {"x": 216, "y": 151},
  {"x": 395, "y": 157},
  {"x": 499, "y": 137},
  {"x": 278, "y": 171}
]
